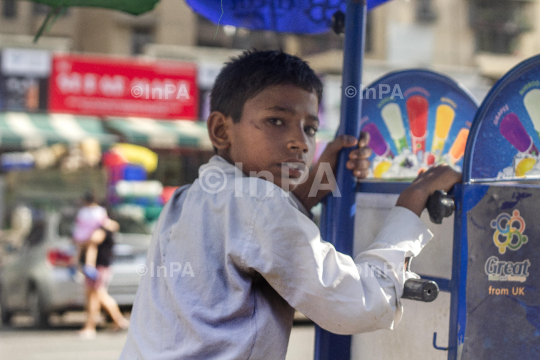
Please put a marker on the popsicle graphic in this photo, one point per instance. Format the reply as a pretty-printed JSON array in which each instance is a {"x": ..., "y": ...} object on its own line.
[
  {"x": 532, "y": 104},
  {"x": 513, "y": 131},
  {"x": 458, "y": 147},
  {"x": 391, "y": 114},
  {"x": 377, "y": 142},
  {"x": 443, "y": 122},
  {"x": 417, "y": 110}
]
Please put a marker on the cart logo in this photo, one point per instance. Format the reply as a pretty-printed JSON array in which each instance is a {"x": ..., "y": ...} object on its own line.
[
  {"x": 498, "y": 270},
  {"x": 509, "y": 231}
]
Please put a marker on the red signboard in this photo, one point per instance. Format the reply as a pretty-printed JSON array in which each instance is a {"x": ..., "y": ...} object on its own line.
[{"x": 122, "y": 87}]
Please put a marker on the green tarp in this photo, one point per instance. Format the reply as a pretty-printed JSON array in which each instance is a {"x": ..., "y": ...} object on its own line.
[
  {"x": 28, "y": 131},
  {"x": 58, "y": 7},
  {"x": 162, "y": 134},
  {"x": 135, "y": 7}
]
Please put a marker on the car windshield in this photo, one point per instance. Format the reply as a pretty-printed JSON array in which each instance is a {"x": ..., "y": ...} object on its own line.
[
  {"x": 132, "y": 226},
  {"x": 128, "y": 225}
]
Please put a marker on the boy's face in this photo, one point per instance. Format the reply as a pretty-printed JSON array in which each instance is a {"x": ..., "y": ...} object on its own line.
[{"x": 276, "y": 135}]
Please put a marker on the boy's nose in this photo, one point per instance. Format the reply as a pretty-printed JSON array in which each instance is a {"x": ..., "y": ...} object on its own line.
[{"x": 298, "y": 141}]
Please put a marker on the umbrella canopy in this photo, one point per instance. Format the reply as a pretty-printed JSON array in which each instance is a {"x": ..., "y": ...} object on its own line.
[
  {"x": 58, "y": 7},
  {"x": 301, "y": 16},
  {"x": 137, "y": 155}
]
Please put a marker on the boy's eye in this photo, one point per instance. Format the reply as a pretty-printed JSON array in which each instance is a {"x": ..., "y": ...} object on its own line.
[
  {"x": 311, "y": 130},
  {"x": 276, "y": 121}
]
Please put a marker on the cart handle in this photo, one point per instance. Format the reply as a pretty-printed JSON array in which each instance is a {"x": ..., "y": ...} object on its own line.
[
  {"x": 439, "y": 206},
  {"x": 420, "y": 290}
]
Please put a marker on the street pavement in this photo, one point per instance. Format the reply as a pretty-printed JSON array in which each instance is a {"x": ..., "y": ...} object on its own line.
[{"x": 61, "y": 342}]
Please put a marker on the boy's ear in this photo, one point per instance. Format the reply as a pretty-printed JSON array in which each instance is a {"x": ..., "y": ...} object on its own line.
[{"x": 218, "y": 129}]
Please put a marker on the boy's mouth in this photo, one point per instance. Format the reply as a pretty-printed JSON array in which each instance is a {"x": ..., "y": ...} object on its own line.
[{"x": 293, "y": 169}]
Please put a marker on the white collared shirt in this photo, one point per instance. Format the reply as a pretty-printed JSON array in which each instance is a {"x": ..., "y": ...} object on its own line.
[{"x": 232, "y": 256}]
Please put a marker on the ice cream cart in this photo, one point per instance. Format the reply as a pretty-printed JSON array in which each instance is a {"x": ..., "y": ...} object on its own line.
[
  {"x": 484, "y": 256},
  {"x": 496, "y": 277}
]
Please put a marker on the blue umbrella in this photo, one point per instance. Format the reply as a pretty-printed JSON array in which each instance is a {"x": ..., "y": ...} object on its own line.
[
  {"x": 295, "y": 16},
  {"x": 315, "y": 16}
]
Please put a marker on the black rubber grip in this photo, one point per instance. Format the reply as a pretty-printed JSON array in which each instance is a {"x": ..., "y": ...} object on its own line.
[
  {"x": 439, "y": 206},
  {"x": 420, "y": 290}
]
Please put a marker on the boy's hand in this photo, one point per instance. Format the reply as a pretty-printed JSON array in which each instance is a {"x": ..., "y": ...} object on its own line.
[
  {"x": 358, "y": 163},
  {"x": 441, "y": 177}
]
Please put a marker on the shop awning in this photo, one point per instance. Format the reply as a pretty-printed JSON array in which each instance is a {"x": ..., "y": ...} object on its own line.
[
  {"x": 27, "y": 131},
  {"x": 162, "y": 134}
]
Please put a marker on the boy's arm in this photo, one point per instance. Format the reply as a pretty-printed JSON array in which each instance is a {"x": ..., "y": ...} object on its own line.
[
  {"x": 441, "y": 177},
  {"x": 343, "y": 295},
  {"x": 358, "y": 163}
]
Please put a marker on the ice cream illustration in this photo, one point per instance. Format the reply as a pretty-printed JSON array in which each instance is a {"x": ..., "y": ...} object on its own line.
[
  {"x": 513, "y": 131},
  {"x": 377, "y": 142},
  {"x": 443, "y": 122},
  {"x": 391, "y": 114},
  {"x": 532, "y": 104},
  {"x": 458, "y": 147},
  {"x": 417, "y": 111},
  {"x": 381, "y": 168},
  {"x": 524, "y": 166}
]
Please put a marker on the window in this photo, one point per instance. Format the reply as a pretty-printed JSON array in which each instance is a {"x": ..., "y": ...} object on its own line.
[
  {"x": 208, "y": 34},
  {"x": 425, "y": 13},
  {"x": 313, "y": 44},
  {"x": 9, "y": 9},
  {"x": 139, "y": 38},
  {"x": 369, "y": 32},
  {"x": 37, "y": 231},
  {"x": 498, "y": 24},
  {"x": 40, "y": 9},
  {"x": 66, "y": 225}
]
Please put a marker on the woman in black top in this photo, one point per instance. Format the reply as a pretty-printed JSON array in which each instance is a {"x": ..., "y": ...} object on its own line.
[
  {"x": 105, "y": 249},
  {"x": 96, "y": 289}
]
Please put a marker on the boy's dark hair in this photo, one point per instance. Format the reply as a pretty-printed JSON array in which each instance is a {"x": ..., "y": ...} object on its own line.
[{"x": 247, "y": 75}]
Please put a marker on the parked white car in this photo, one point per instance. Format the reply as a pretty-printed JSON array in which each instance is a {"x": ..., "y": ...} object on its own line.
[{"x": 37, "y": 280}]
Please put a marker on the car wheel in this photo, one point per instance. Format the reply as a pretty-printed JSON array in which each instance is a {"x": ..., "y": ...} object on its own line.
[{"x": 35, "y": 306}]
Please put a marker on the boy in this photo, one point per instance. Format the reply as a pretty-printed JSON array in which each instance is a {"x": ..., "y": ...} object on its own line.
[{"x": 244, "y": 252}]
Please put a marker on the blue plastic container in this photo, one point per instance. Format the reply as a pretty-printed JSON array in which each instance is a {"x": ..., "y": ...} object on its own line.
[{"x": 134, "y": 173}]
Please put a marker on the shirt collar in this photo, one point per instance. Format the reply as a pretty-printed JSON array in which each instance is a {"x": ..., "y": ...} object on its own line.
[{"x": 217, "y": 163}]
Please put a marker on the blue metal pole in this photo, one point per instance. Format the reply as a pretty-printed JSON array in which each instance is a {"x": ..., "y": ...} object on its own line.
[
  {"x": 337, "y": 225},
  {"x": 458, "y": 299}
]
